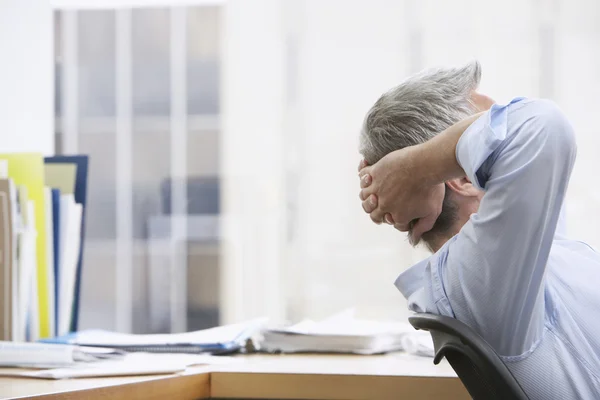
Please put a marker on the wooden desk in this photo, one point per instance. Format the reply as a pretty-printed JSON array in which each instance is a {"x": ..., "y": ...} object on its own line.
[{"x": 327, "y": 377}]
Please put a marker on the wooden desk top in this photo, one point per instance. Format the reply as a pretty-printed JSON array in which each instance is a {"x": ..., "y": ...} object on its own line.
[{"x": 329, "y": 377}]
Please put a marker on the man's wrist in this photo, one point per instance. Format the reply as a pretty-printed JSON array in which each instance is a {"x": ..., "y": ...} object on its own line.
[
  {"x": 437, "y": 156},
  {"x": 437, "y": 160}
]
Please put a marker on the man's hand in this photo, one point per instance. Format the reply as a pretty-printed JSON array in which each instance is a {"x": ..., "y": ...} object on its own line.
[
  {"x": 406, "y": 187},
  {"x": 398, "y": 191}
]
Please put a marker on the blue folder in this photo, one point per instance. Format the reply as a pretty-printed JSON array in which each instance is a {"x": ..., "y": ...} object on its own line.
[
  {"x": 190, "y": 348},
  {"x": 81, "y": 177},
  {"x": 218, "y": 340},
  {"x": 56, "y": 249}
]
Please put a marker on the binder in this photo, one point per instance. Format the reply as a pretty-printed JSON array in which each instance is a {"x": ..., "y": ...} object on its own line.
[
  {"x": 52, "y": 299},
  {"x": 27, "y": 170},
  {"x": 81, "y": 163},
  {"x": 8, "y": 263},
  {"x": 56, "y": 251}
]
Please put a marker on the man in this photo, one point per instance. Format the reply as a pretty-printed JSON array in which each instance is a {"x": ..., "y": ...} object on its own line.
[{"x": 483, "y": 186}]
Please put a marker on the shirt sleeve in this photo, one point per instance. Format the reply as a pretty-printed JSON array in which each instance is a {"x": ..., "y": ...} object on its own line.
[{"x": 491, "y": 275}]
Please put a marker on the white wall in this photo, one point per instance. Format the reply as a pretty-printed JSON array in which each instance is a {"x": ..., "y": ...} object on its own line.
[
  {"x": 349, "y": 53},
  {"x": 251, "y": 153},
  {"x": 26, "y": 76},
  {"x": 295, "y": 90},
  {"x": 577, "y": 89}
]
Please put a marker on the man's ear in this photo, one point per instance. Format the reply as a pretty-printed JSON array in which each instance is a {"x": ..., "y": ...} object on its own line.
[{"x": 463, "y": 186}]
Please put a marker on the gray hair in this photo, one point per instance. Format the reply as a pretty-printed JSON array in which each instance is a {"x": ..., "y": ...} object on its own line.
[
  {"x": 414, "y": 112},
  {"x": 418, "y": 109}
]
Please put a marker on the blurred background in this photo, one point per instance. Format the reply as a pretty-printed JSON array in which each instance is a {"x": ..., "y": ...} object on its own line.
[{"x": 223, "y": 138}]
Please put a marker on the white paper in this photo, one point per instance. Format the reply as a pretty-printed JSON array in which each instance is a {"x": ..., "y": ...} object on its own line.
[
  {"x": 3, "y": 169},
  {"x": 222, "y": 334},
  {"x": 104, "y": 370},
  {"x": 28, "y": 300},
  {"x": 18, "y": 353},
  {"x": 418, "y": 343},
  {"x": 340, "y": 333},
  {"x": 70, "y": 226},
  {"x": 33, "y": 315},
  {"x": 348, "y": 327},
  {"x": 132, "y": 364}
]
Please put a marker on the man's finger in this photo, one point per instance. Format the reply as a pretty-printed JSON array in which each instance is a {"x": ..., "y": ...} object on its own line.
[
  {"x": 365, "y": 180},
  {"x": 370, "y": 204},
  {"x": 364, "y": 171},
  {"x": 362, "y": 164},
  {"x": 365, "y": 193},
  {"x": 402, "y": 227},
  {"x": 377, "y": 216},
  {"x": 423, "y": 225},
  {"x": 388, "y": 219}
]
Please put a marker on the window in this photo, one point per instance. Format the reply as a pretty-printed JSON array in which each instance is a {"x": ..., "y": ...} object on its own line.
[{"x": 138, "y": 90}]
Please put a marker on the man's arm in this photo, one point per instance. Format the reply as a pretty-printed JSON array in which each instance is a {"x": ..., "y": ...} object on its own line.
[{"x": 522, "y": 156}]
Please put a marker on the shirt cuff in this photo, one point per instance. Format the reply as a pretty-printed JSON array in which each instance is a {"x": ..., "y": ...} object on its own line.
[{"x": 479, "y": 141}]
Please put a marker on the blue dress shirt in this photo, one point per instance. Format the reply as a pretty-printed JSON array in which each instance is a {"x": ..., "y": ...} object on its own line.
[{"x": 510, "y": 273}]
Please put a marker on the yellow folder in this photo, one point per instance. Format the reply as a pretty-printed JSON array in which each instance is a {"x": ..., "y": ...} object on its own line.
[
  {"x": 61, "y": 176},
  {"x": 27, "y": 169}
]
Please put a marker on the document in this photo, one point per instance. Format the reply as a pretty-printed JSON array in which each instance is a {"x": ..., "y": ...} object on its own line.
[
  {"x": 39, "y": 355},
  {"x": 132, "y": 364}
]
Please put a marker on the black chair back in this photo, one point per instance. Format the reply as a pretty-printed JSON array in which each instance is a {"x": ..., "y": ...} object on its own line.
[{"x": 480, "y": 369}]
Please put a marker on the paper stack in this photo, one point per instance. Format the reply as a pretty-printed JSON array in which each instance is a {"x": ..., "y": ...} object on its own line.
[{"x": 345, "y": 334}]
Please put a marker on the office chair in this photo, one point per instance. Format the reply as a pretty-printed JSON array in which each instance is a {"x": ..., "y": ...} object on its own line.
[{"x": 477, "y": 365}]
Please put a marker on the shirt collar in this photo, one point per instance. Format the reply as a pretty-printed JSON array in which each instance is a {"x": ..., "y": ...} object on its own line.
[{"x": 411, "y": 280}]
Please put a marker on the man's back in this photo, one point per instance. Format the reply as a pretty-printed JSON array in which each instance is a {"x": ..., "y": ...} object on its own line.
[
  {"x": 564, "y": 364},
  {"x": 510, "y": 274}
]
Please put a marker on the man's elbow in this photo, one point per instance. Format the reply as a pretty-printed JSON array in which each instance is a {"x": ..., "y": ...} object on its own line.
[{"x": 555, "y": 130}]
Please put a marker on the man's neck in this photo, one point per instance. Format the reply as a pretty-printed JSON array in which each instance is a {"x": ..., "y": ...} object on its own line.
[
  {"x": 466, "y": 208},
  {"x": 438, "y": 241},
  {"x": 435, "y": 244}
]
